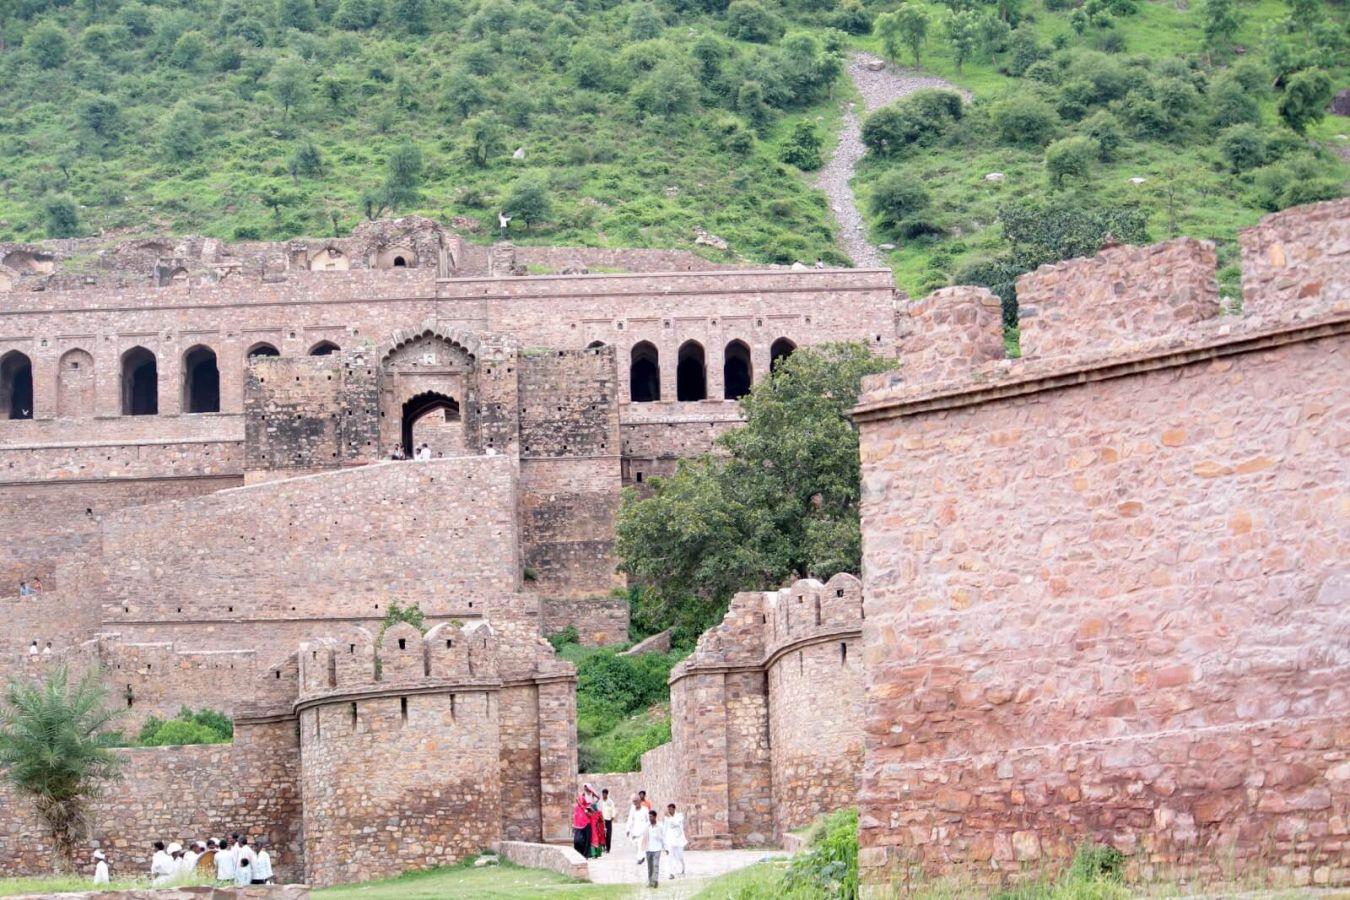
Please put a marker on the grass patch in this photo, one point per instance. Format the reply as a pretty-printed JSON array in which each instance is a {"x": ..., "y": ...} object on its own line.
[
  {"x": 61, "y": 884},
  {"x": 501, "y": 882}
]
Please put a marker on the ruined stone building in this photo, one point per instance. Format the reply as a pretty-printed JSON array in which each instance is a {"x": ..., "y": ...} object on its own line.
[{"x": 196, "y": 450}]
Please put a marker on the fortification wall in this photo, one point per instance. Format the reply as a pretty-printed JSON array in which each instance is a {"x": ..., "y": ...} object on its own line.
[
  {"x": 310, "y": 413},
  {"x": 248, "y": 566},
  {"x": 599, "y": 621},
  {"x": 1105, "y": 590},
  {"x": 178, "y": 793}
]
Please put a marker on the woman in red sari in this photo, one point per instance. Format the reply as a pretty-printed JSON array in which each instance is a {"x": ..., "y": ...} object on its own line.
[
  {"x": 597, "y": 831},
  {"x": 581, "y": 821}
]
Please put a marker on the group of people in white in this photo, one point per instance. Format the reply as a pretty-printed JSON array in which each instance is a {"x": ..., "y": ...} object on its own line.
[
  {"x": 229, "y": 861},
  {"x": 653, "y": 834}
]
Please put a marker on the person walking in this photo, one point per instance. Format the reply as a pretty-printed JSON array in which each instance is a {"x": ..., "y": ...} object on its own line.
[
  {"x": 653, "y": 845},
  {"x": 100, "y": 868},
  {"x": 674, "y": 839},
  {"x": 636, "y": 825},
  {"x": 607, "y": 811},
  {"x": 581, "y": 822}
]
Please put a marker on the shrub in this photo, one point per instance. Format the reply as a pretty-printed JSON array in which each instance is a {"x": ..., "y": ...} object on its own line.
[
  {"x": 1024, "y": 119},
  {"x": 1071, "y": 157},
  {"x": 750, "y": 20},
  {"x": 896, "y": 197},
  {"x": 919, "y": 119},
  {"x": 1243, "y": 147},
  {"x": 1305, "y": 99},
  {"x": 568, "y": 635},
  {"x": 831, "y": 865},
  {"x": 1294, "y": 181},
  {"x": 47, "y": 45},
  {"x": 999, "y": 274},
  {"x": 60, "y": 218},
  {"x": 803, "y": 147},
  {"x": 1023, "y": 50},
  {"x": 851, "y": 17},
  {"x": 1104, "y": 128},
  {"x": 1093, "y": 862},
  {"x": 1232, "y": 103},
  {"x": 177, "y": 731}
]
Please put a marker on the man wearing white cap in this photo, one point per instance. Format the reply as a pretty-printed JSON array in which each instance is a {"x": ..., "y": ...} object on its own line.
[{"x": 100, "y": 868}]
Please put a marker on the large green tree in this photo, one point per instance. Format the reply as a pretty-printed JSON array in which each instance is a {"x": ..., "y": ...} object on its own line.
[
  {"x": 56, "y": 747},
  {"x": 780, "y": 501}
]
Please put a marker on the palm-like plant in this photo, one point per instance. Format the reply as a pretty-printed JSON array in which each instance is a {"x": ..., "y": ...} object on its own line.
[{"x": 55, "y": 743}]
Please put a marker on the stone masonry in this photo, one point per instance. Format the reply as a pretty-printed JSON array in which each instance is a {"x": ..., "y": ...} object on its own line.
[{"x": 1106, "y": 586}]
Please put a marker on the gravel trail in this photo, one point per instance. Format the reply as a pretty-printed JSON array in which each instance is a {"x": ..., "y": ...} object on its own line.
[{"x": 879, "y": 83}]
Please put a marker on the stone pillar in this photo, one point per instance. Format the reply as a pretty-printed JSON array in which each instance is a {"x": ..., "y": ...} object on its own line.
[{"x": 557, "y": 757}]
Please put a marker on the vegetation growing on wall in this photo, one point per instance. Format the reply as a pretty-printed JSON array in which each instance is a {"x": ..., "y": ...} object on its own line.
[{"x": 205, "y": 726}]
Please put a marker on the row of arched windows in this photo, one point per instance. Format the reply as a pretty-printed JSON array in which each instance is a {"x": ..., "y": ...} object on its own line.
[
  {"x": 691, "y": 370},
  {"x": 139, "y": 380}
]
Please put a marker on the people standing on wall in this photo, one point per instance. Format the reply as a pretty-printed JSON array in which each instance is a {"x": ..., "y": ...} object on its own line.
[
  {"x": 47, "y": 650},
  {"x": 161, "y": 864},
  {"x": 101, "y": 874},
  {"x": 581, "y": 821},
  {"x": 675, "y": 839},
  {"x": 33, "y": 649},
  {"x": 653, "y": 844},
  {"x": 607, "y": 811}
]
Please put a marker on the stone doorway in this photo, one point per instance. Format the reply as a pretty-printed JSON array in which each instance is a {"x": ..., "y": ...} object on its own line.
[{"x": 434, "y": 419}]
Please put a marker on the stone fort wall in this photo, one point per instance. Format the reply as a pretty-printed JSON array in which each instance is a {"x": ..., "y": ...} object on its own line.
[
  {"x": 1106, "y": 591},
  {"x": 766, "y": 719}
]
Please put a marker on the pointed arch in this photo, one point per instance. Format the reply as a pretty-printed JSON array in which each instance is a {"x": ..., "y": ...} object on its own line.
[
  {"x": 691, "y": 372},
  {"x": 262, "y": 348},
  {"x": 16, "y": 385},
  {"x": 422, "y": 405},
  {"x": 737, "y": 370},
  {"x": 780, "y": 350},
  {"x": 201, "y": 380},
  {"x": 456, "y": 337},
  {"x": 644, "y": 373},
  {"x": 75, "y": 384},
  {"x": 140, "y": 383},
  {"x": 324, "y": 348}
]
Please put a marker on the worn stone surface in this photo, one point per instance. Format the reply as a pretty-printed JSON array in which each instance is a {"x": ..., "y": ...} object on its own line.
[
  {"x": 554, "y": 858},
  {"x": 1106, "y": 585}
]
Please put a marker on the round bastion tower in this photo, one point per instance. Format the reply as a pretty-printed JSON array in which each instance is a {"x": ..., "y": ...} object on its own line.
[{"x": 400, "y": 750}]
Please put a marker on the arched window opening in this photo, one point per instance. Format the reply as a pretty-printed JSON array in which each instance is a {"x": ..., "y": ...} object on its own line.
[
  {"x": 400, "y": 262},
  {"x": 75, "y": 384},
  {"x": 780, "y": 350},
  {"x": 16, "y": 385},
  {"x": 644, "y": 374},
  {"x": 691, "y": 373},
  {"x": 324, "y": 348},
  {"x": 444, "y": 416},
  {"x": 736, "y": 371},
  {"x": 595, "y": 345},
  {"x": 263, "y": 349},
  {"x": 140, "y": 383},
  {"x": 201, "y": 381}
]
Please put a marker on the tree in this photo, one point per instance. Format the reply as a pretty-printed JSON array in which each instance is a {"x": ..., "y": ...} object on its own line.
[
  {"x": 61, "y": 218},
  {"x": 296, "y": 14},
  {"x": 414, "y": 16},
  {"x": 916, "y": 120},
  {"x": 780, "y": 503},
  {"x": 357, "y": 15},
  {"x": 182, "y": 132},
  {"x": 1071, "y": 157},
  {"x": 1221, "y": 23},
  {"x": 1305, "y": 99},
  {"x": 289, "y": 84},
  {"x": 963, "y": 33},
  {"x": 403, "y": 175},
  {"x": 1243, "y": 146},
  {"x": 1056, "y": 230},
  {"x": 750, "y": 20},
  {"x": 306, "y": 160},
  {"x": 803, "y": 147},
  {"x": 907, "y": 26},
  {"x": 47, "y": 45},
  {"x": 57, "y": 750},
  {"x": 1024, "y": 119},
  {"x": 896, "y": 197},
  {"x": 528, "y": 201},
  {"x": 667, "y": 90},
  {"x": 485, "y": 138}
]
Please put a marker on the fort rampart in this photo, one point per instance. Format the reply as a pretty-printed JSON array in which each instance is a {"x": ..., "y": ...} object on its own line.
[{"x": 1106, "y": 585}]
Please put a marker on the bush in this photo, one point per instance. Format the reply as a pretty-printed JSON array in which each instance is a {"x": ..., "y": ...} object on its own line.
[
  {"x": 1024, "y": 120},
  {"x": 750, "y": 20},
  {"x": 1023, "y": 50},
  {"x": 831, "y": 865},
  {"x": 1295, "y": 181},
  {"x": 803, "y": 148},
  {"x": 1071, "y": 157},
  {"x": 1305, "y": 99},
  {"x": 60, "y": 218},
  {"x": 1243, "y": 147},
  {"x": 568, "y": 635},
  {"x": 917, "y": 120},
  {"x": 203, "y": 727},
  {"x": 1104, "y": 128},
  {"x": 896, "y": 197},
  {"x": 1232, "y": 103}
]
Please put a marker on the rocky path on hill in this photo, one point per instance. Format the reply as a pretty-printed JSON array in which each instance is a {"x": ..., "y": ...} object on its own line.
[{"x": 879, "y": 83}]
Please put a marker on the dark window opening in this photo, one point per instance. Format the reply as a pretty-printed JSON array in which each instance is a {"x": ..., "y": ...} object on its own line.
[
  {"x": 403, "y": 707},
  {"x": 736, "y": 371},
  {"x": 691, "y": 373},
  {"x": 263, "y": 349},
  {"x": 780, "y": 350},
  {"x": 201, "y": 381},
  {"x": 402, "y": 643},
  {"x": 16, "y": 385},
  {"x": 140, "y": 383},
  {"x": 400, "y": 262},
  {"x": 324, "y": 348},
  {"x": 843, "y": 653},
  {"x": 353, "y": 717},
  {"x": 644, "y": 374}
]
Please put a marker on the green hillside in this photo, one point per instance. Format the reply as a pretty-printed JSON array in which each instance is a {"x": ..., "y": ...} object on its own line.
[{"x": 641, "y": 122}]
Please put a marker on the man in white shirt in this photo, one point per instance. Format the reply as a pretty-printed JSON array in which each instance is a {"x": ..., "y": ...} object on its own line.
[
  {"x": 100, "y": 868},
  {"x": 674, "y": 838},
  {"x": 33, "y": 649},
  {"x": 607, "y": 812},
  {"x": 262, "y": 872},
  {"x": 245, "y": 860},
  {"x": 188, "y": 864},
  {"x": 161, "y": 865},
  {"x": 653, "y": 844},
  {"x": 636, "y": 824},
  {"x": 225, "y": 862}
]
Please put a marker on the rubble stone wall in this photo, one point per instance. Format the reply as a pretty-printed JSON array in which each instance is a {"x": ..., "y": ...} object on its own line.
[{"x": 1106, "y": 591}]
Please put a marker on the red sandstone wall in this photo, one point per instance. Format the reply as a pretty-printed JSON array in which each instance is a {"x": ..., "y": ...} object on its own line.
[
  {"x": 1296, "y": 258},
  {"x": 177, "y": 793},
  {"x": 1113, "y": 611}
]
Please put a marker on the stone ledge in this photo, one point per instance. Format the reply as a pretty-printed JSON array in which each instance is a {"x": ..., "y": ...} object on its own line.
[{"x": 552, "y": 857}]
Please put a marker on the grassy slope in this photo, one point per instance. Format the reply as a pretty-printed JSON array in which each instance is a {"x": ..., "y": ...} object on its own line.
[{"x": 1208, "y": 201}]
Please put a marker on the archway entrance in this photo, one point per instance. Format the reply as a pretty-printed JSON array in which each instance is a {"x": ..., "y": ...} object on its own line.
[
  {"x": 433, "y": 419},
  {"x": 16, "y": 386}
]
